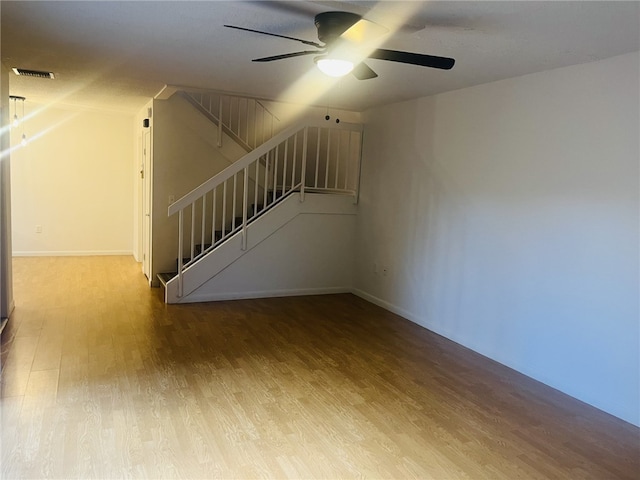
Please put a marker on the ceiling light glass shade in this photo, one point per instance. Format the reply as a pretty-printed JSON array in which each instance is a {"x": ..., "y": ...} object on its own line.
[
  {"x": 23, "y": 142},
  {"x": 16, "y": 122},
  {"x": 334, "y": 67}
]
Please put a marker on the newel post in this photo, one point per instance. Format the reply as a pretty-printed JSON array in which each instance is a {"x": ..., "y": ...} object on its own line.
[{"x": 303, "y": 172}]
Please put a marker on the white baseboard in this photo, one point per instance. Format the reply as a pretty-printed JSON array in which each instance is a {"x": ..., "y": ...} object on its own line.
[
  {"x": 391, "y": 307},
  {"x": 215, "y": 297},
  {"x": 72, "y": 253}
]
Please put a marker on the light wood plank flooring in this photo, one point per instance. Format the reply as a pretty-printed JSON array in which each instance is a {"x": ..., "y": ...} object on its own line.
[{"x": 105, "y": 381}]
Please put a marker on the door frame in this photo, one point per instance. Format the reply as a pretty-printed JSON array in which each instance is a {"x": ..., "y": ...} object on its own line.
[{"x": 147, "y": 203}]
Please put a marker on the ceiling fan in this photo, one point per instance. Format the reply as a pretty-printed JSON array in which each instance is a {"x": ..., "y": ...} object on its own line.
[{"x": 342, "y": 34}]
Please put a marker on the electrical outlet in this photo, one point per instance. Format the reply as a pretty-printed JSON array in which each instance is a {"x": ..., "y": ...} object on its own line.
[{"x": 38, "y": 228}]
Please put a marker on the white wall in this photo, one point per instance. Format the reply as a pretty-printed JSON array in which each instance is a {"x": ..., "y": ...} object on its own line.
[
  {"x": 73, "y": 179},
  {"x": 289, "y": 113},
  {"x": 508, "y": 215}
]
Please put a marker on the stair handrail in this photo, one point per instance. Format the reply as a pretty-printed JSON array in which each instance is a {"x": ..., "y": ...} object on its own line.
[
  {"x": 248, "y": 159},
  {"x": 225, "y": 122}
]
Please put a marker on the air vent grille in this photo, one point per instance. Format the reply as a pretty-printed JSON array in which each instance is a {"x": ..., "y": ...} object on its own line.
[{"x": 33, "y": 73}]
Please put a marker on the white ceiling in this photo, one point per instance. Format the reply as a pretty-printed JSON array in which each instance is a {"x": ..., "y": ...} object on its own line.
[{"x": 117, "y": 55}]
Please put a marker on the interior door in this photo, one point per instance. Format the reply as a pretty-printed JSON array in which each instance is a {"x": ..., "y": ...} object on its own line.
[{"x": 146, "y": 202}]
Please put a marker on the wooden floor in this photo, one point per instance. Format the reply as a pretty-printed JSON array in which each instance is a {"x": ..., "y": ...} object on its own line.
[{"x": 105, "y": 381}]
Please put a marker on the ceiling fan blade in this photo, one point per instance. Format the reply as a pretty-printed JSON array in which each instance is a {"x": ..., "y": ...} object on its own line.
[
  {"x": 363, "y": 72},
  {"x": 287, "y": 55},
  {"x": 306, "y": 42},
  {"x": 413, "y": 58}
]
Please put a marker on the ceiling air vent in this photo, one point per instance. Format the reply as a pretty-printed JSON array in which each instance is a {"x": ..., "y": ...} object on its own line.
[{"x": 33, "y": 73}]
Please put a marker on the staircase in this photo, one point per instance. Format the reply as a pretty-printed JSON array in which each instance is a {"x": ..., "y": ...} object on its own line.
[{"x": 308, "y": 168}]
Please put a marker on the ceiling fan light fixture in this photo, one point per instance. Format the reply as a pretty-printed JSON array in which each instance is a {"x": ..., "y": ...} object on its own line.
[{"x": 334, "y": 67}]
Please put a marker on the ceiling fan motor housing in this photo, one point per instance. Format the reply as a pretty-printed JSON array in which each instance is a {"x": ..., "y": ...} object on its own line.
[{"x": 331, "y": 25}]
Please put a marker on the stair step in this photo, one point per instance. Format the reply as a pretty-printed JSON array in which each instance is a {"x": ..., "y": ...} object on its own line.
[
  {"x": 165, "y": 277},
  {"x": 198, "y": 248},
  {"x": 184, "y": 261},
  {"x": 255, "y": 209}
]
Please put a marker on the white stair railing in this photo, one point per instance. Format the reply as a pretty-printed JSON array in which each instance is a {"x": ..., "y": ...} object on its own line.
[
  {"x": 314, "y": 157},
  {"x": 247, "y": 120}
]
